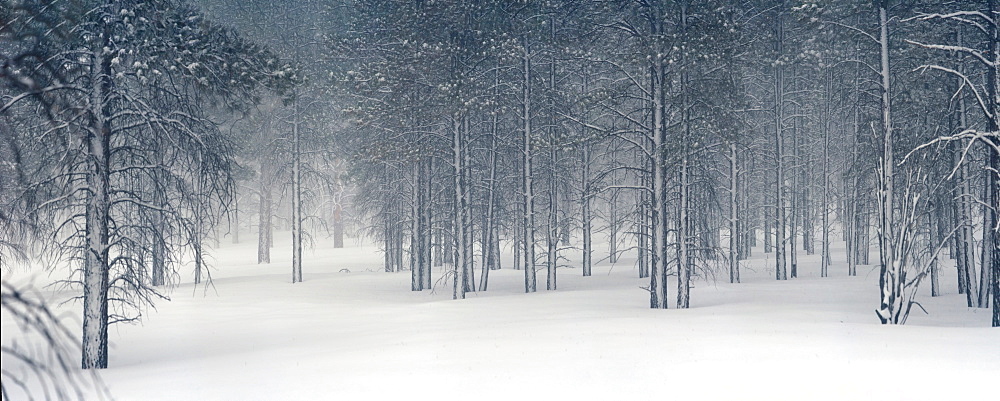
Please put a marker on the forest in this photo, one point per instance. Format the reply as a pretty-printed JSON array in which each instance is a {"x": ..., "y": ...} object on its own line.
[{"x": 369, "y": 160}]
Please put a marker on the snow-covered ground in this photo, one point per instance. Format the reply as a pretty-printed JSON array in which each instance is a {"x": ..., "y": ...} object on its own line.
[{"x": 364, "y": 335}]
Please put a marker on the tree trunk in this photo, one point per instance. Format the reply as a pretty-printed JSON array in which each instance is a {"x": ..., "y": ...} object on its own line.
[
  {"x": 387, "y": 233},
  {"x": 528, "y": 223},
  {"x": 795, "y": 200},
  {"x": 644, "y": 223},
  {"x": 338, "y": 226},
  {"x": 198, "y": 233},
  {"x": 734, "y": 264},
  {"x": 990, "y": 218},
  {"x": 613, "y": 228},
  {"x": 552, "y": 233},
  {"x": 489, "y": 228},
  {"x": 659, "y": 215},
  {"x": 517, "y": 246},
  {"x": 264, "y": 225},
  {"x": 427, "y": 227},
  {"x": 96, "y": 269},
  {"x": 768, "y": 232},
  {"x": 932, "y": 242},
  {"x": 965, "y": 260},
  {"x": 586, "y": 216},
  {"x": 986, "y": 259},
  {"x": 462, "y": 220},
  {"x": 440, "y": 250},
  {"x": 780, "y": 223},
  {"x": 234, "y": 223},
  {"x": 685, "y": 231},
  {"x": 683, "y": 236},
  {"x": 824, "y": 208},
  {"x": 296, "y": 196},
  {"x": 891, "y": 273},
  {"x": 416, "y": 230},
  {"x": 748, "y": 228},
  {"x": 158, "y": 248}
]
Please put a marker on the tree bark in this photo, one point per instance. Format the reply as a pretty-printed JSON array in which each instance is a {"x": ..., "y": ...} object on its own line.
[
  {"x": 416, "y": 230},
  {"x": 527, "y": 184},
  {"x": 428, "y": 222},
  {"x": 824, "y": 208},
  {"x": 585, "y": 214},
  {"x": 685, "y": 231},
  {"x": 779, "y": 153},
  {"x": 96, "y": 269},
  {"x": 659, "y": 215},
  {"x": 734, "y": 264},
  {"x": 891, "y": 273},
  {"x": 264, "y": 225},
  {"x": 296, "y": 196},
  {"x": 986, "y": 258},
  {"x": 234, "y": 225}
]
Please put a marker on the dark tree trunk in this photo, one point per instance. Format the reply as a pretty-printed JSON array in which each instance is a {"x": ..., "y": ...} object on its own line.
[{"x": 96, "y": 269}]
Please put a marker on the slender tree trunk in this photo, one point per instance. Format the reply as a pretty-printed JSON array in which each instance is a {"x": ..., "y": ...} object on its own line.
[
  {"x": 469, "y": 228},
  {"x": 158, "y": 248},
  {"x": 683, "y": 235},
  {"x": 527, "y": 177},
  {"x": 448, "y": 238},
  {"x": 387, "y": 233},
  {"x": 891, "y": 274},
  {"x": 768, "y": 232},
  {"x": 428, "y": 222},
  {"x": 462, "y": 219},
  {"x": 552, "y": 232},
  {"x": 992, "y": 221},
  {"x": 440, "y": 242},
  {"x": 685, "y": 232},
  {"x": 518, "y": 245},
  {"x": 644, "y": 223},
  {"x": 824, "y": 208},
  {"x": 965, "y": 242},
  {"x": 932, "y": 242},
  {"x": 489, "y": 229},
  {"x": 965, "y": 260},
  {"x": 864, "y": 233},
  {"x": 991, "y": 218},
  {"x": 96, "y": 269},
  {"x": 734, "y": 264},
  {"x": 806, "y": 204},
  {"x": 779, "y": 154},
  {"x": 416, "y": 231},
  {"x": 796, "y": 205},
  {"x": 234, "y": 223},
  {"x": 296, "y": 196},
  {"x": 587, "y": 218},
  {"x": 613, "y": 228},
  {"x": 986, "y": 259},
  {"x": 748, "y": 228},
  {"x": 850, "y": 220},
  {"x": 338, "y": 226},
  {"x": 264, "y": 226},
  {"x": 198, "y": 230},
  {"x": 855, "y": 201},
  {"x": 659, "y": 260},
  {"x": 643, "y": 199}
]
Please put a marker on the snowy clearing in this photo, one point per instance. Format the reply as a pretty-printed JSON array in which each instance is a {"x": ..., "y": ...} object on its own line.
[{"x": 364, "y": 335}]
